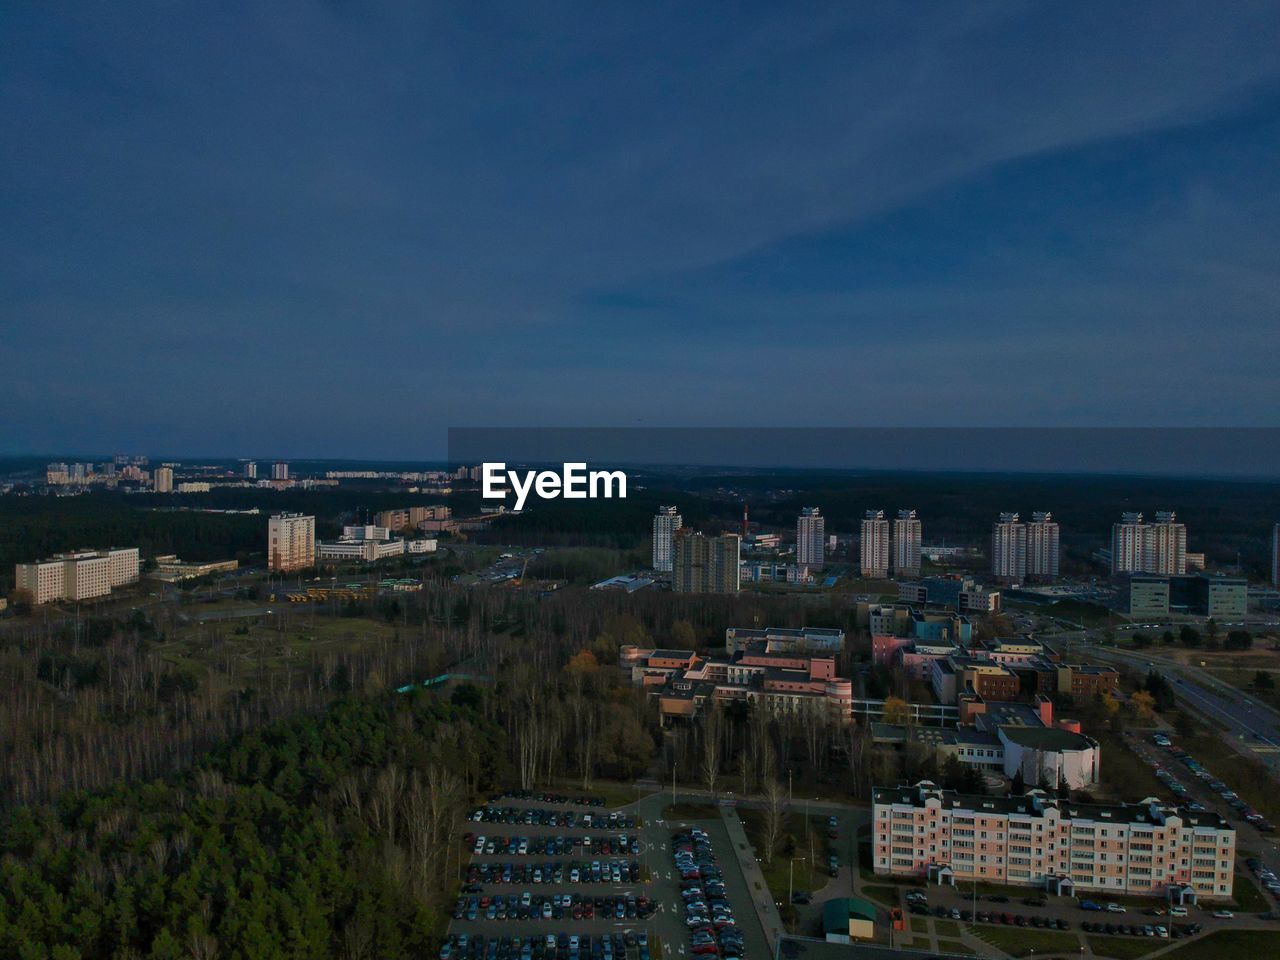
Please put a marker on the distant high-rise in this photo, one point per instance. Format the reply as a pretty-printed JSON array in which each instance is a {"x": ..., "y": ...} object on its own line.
[
  {"x": 1164, "y": 546},
  {"x": 1009, "y": 548},
  {"x": 1042, "y": 547},
  {"x": 705, "y": 564},
  {"x": 906, "y": 544},
  {"x": 1127, "y": 544},
  {"x": 811, "y": 538},
  {"x": 874, "y": 547},
  {"x": 1275, "y": 556},
  {"x": 164, "y": 480},
  {"x": 665, "y": 524},
  {"x": 251, "y": 471},
  {"x": 280, "y": 471},
  {"x": 291, "y": 542},
  {"x": 1159, "y": 547}
]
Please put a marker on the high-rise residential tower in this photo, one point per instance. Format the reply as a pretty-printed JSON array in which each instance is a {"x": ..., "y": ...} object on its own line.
[
  {"x": 1275, "y": 556},
  {"x": 705, "y": 564},
  {"x": 1159, "y": 547},
  {"x": 1009, "y": 548},
  {"x": 280, "y": 471},
  {"x": 811, "y": 538},
  {"x": 1127, "y": 544},
  {"x": 665, "y": 524},
  {"x": 874, "y": 547},
  {"x": 906, "y": 544},
  {"x": 291, "y": 542},
  {"x": 251, "y": 471},
  {"x": 164, "y": 480},
  {"x": 1164, "y": 546},
  {"x": 1042, "y": 547}
]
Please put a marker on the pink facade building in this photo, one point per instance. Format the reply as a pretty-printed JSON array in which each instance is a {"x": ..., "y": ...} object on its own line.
[{"x": 1144, "y": 849}]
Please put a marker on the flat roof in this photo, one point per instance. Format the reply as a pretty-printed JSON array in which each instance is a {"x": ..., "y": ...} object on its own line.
[
  {"x": 1035, "y": 802},
  {"x": 1045, "y": 738}
]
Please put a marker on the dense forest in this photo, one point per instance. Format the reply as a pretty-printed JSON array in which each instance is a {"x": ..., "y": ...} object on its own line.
[
  {"x": 150, "y": 814},
  {"x": 314, "y": 837}
]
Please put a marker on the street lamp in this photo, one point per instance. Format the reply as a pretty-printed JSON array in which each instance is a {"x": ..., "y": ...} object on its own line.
[{"x": 791, "y": 881}]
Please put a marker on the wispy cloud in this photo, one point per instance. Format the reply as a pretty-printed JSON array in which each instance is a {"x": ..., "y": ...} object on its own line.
[{"x": 608, "y": 210}]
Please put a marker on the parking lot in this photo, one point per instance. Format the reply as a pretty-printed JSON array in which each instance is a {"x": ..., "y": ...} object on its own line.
[
  {"x": 1036, "y": 910},
  {"x": 543, "y": 881},
  {"x": 1196, "y": 786},
  {"x": 552, "y": 876}
]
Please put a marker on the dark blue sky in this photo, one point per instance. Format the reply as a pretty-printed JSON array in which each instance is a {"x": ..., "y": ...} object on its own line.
[{"x": 327, "y": 229}]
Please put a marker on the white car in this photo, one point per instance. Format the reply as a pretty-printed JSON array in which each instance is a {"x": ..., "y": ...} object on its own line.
[
  {"x": 479, "y": 847},
  {"x": 1177, "y": 911},
  {"x": 1115, "y": 908},
  {"x": 1223, "y": 915}
]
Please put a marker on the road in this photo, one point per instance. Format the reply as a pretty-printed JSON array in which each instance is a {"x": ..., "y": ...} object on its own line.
[{"x": 1253, "y": 728}]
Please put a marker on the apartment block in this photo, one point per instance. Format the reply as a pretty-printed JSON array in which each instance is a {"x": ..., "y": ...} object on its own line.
[
  {"x": 164, "y": 480},
  {"x": 1139, "y": 547},
  {"x": 1043, "y": 538},
  {"x": 1009, "y": 549},
  {"x": 705, "y": 564},
  {"x": 906, "y": 544},
  {"x": 291, "y": 542},
  {"x": 666, "y": 522},
  {"x": 811, "y": 538},
  {"x": 1036, "y": 840},
  {"x": 83, "y": 575},
  {"x": 874, "y": 546}
]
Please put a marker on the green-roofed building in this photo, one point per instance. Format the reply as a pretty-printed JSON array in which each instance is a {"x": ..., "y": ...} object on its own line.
[{"x": 849, "y": 918}]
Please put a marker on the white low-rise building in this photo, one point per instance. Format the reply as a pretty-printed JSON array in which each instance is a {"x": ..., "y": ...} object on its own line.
[{"x": 363, "y": 550}]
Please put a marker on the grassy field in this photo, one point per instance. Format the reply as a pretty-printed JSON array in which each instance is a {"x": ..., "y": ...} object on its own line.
[
  {"x": 1248, "y": 898},
  {"x": 1021, "y": 942},
  {"x": 1254, "y": 944},
  {"x": 792, "y": 853},
  {"x": 886, "y": 896},
  {"x": 226, "y": 651},
  {"x": 919, "y": 925},
  {"x": 954, "y": 946},
  {"x": 1124, "y": 948},
  {"x": 946, "y": 928}
]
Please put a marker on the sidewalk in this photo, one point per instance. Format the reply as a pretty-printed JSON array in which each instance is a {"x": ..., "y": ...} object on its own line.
[{"x": 761, "y": 898}]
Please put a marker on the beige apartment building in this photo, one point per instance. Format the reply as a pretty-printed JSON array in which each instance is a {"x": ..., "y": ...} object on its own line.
[
  {"x": 78, "y": 576},
  {"x": 291, "y": 542},
  {"x": 873, "y": 546},
  {"x": 1143, "y": 849}
]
